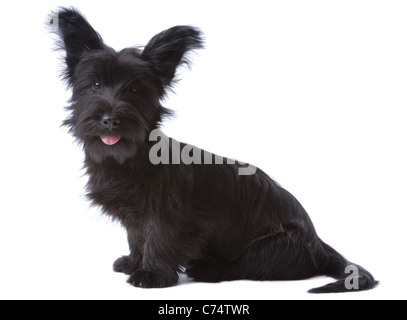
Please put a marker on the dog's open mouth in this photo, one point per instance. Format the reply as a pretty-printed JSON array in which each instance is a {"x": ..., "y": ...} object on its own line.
[{"x": 110, "y": 139}]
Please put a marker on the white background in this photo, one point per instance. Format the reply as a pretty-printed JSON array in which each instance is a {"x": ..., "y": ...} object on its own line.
[{"x": 312, "y": 92}]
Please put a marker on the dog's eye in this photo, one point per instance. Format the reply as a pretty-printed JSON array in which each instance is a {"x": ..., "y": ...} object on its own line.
[
  {"x": 134, "y": 89},
  {"x": 96, "y": 85}
]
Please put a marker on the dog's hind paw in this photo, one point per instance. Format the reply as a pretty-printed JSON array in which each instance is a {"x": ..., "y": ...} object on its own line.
[{"x": 149, "y": 279}]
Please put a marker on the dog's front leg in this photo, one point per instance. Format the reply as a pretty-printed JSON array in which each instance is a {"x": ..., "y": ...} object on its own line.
[
  {"x": 158, "y": 266},
  {"x": 129, "y": 264}
]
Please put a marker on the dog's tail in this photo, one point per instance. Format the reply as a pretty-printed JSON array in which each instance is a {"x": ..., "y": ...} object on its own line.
[{"x": 351, "y": 277}]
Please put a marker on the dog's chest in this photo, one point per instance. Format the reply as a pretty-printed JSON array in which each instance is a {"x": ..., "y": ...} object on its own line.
[{"x": 122, "y": 197}]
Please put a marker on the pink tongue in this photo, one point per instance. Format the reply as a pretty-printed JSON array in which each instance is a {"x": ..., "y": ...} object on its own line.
[{"x": 110, "y": 140}]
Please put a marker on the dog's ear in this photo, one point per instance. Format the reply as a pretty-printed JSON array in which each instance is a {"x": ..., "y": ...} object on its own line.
[
  {"x": 167, "y": 50},
  {"x": 77, "y": 37}
]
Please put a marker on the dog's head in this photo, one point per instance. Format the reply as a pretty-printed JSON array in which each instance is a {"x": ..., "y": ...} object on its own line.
[{"x": 116, "y": 96}]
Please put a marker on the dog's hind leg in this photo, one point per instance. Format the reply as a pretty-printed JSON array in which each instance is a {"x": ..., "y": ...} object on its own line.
[
  {"x": 283, "y": 253},
  {"x": 287, "y": 252}
]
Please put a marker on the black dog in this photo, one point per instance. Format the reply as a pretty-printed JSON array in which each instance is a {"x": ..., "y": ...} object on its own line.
[{"x": 200, "y": 214}]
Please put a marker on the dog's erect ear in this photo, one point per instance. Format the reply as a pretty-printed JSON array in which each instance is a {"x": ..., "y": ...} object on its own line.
[
  {"x": 77, "y": 37},
  {"x": 167, "y": 50}
]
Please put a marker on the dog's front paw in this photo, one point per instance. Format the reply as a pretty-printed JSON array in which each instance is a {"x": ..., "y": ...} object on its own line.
[
  {"x": 126, "y": 265},
  {"x": 149, "y": 279}
]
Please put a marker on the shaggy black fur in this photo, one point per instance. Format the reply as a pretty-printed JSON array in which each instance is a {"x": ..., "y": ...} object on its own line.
[{"x": 205, "y": 220}]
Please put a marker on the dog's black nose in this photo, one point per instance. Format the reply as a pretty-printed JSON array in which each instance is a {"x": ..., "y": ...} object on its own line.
[{"x": 109, "y": 123}]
